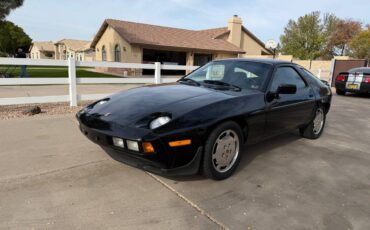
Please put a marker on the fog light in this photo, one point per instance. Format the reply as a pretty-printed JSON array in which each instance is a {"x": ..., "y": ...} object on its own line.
[
  {"x": 118, "y": 142},
  {"x": 148, "y": 147},
  {"x": 132, "y": 145}
]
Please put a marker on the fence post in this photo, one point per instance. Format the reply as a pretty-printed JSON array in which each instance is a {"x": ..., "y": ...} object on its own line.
[
  {"x": 157, "y": 73},
  {"x": 331, "y": 73},
  {"x": 72, "y": 82}
]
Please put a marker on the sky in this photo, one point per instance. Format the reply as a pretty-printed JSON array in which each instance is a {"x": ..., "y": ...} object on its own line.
[{"x": 52, "y": 20}]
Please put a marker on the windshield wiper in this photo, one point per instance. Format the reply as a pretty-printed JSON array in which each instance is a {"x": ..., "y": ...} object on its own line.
[
  {"x": 222, "y": 83},
  {"x": 189, "y": 80}
]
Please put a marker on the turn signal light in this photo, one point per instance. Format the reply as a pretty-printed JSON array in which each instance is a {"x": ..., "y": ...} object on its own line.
[
  {"x": 179, "y": 143},
  {"x": 148, "y": 147},
  {"x": 340, "y": 77}
]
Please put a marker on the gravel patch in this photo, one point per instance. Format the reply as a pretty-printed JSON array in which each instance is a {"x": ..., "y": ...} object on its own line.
[{"x": 8, "y": 112}]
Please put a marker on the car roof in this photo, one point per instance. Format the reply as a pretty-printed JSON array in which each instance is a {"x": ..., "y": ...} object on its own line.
[
  {"x": 360, "y": 69},
  {"x": 260, "y": 60}
]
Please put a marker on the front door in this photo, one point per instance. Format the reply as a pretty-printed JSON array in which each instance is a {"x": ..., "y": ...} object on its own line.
[{"x": 289, "y": 111}]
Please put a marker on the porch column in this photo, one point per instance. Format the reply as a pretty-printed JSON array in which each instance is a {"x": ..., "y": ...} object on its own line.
[{"x": 189, "y": 60}]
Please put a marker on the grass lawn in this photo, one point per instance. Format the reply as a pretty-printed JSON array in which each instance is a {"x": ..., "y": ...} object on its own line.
[{"x": 53, "y": 72}]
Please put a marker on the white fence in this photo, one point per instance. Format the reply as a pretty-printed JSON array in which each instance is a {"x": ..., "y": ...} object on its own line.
[{"x": 72, "y": 80}]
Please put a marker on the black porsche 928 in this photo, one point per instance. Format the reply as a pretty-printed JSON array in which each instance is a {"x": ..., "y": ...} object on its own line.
[{"x": 203, "y": 121}]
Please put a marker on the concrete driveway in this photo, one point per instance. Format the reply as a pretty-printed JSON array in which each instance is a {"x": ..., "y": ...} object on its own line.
[{"x": 52, "y": 177}]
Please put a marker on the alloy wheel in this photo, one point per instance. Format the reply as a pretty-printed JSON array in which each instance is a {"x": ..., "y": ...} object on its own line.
[{"x": 225, "y": 151}]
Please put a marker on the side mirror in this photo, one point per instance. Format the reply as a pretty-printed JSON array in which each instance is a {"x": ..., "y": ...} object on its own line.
[{"x": 286, "y": 89}]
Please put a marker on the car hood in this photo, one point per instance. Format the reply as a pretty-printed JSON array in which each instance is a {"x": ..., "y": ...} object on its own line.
[{"x": 129, "y": 107}]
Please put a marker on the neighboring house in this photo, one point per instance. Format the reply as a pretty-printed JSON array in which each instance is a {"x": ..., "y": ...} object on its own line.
[
  {"x": 42, "y": 50},
  {"x": 123, "y": 41},
  {"x": 61, "y": 50},
  {"x": 78, "y": 49}
]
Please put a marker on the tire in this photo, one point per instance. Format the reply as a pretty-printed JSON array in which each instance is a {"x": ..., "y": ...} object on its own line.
[
  {"x": 311, "y": 131},
  {"x": 226, "y": 140},
  {"x": 340, "y": 92}
]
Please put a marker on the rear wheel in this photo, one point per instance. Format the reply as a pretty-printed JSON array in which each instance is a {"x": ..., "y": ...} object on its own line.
[
  {"x": 340, "y": 92},
  {"x": 222, "y": 151},
  {"x": 316, "y": 126}
]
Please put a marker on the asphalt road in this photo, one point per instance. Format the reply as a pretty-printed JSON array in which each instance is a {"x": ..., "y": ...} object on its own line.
[{"x": 52, "y": 177}]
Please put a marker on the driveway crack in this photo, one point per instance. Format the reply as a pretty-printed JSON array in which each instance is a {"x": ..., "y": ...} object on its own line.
[
  {"x": 27, "y": 176},
  {"x": 191, "y": 203}
]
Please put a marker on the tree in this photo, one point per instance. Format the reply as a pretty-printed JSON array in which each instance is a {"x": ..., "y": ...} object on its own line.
[
  {"x": 359, "y": 46},
  {"x": 12, "y": 37},
  {"x": 304, "y": 38},
  {"x": 7, "y": 5},
  {"x": 311, "y": 37},
  {"x": 342, "y": 33},
  {"x": 330, "y": 22}
]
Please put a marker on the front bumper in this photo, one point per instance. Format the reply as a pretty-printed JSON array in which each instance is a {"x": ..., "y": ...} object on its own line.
[
  {"x": 178, "y": 161},
  {"x": 190, "y": 168}
]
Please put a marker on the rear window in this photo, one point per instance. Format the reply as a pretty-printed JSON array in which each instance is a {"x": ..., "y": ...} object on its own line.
[{"x": 360, "y": 70}]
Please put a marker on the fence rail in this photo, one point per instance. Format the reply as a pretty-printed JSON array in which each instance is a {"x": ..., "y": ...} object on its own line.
[{"x": 73, "y": 97}]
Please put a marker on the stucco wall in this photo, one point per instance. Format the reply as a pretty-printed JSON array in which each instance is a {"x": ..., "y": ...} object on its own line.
[
  {"x": 224, "y": 56},
  {"x": 109, "y": 39},
  {"x": 35, "y": 53},
  {"x": 315, "y": 64},
  {"x": 129, "y": 53},
  {"x": 250, "y": 46}
]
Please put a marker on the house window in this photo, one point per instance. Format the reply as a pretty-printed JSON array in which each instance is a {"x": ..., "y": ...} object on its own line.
[
  {"x": 103, "y": 54},
  {"x": 117, "y": 53}
]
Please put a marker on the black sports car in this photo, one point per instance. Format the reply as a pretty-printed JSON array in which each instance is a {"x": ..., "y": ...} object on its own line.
[
  {"x": 204, "y": 120},
  {"x": 356, "y": 80}
]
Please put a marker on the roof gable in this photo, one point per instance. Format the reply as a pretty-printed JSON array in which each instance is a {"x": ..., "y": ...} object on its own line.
[{"x": 152, "y": 35}]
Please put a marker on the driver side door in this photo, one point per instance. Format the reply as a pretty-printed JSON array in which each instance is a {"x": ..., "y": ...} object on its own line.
[{"x": 288, "y": 111}]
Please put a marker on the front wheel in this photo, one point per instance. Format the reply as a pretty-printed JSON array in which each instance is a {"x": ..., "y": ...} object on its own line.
[
  {"x": 316, "y": 126},
  {"x": 222, "y": 151}
]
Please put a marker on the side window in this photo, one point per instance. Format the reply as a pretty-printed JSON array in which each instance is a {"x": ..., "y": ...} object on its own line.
[
  {"x": 287, "y": 75},
  {"x": 117, "y": 53},
  {"x": 103, "y": 54}
]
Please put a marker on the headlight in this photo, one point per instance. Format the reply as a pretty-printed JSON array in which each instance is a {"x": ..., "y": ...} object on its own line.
[
  {"x": 102, "y": 101},
  {"x": 159, "y": 121}
]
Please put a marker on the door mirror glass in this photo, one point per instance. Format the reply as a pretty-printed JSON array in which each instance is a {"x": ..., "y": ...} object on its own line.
[{"x": 287, "y": 89}]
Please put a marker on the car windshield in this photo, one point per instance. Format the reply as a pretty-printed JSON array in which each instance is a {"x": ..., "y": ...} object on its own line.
[{"x": 232, "y": 74}]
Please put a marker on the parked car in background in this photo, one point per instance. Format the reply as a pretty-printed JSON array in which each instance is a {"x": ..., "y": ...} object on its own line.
[
  {"x": 203, "y": 121},
  {"x": 356, "y": 80}
]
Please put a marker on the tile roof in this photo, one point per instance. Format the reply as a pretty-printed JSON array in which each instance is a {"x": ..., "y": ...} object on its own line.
[
  {"x": 153, "y": 35},
  {"x": 76, "y": 45},
  {"x": 44, "y": 46},
  {"x": 216, "y": 32}
]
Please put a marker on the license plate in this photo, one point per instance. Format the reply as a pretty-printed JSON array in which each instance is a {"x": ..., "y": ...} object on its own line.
[{"x": 352, "y": 86}]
